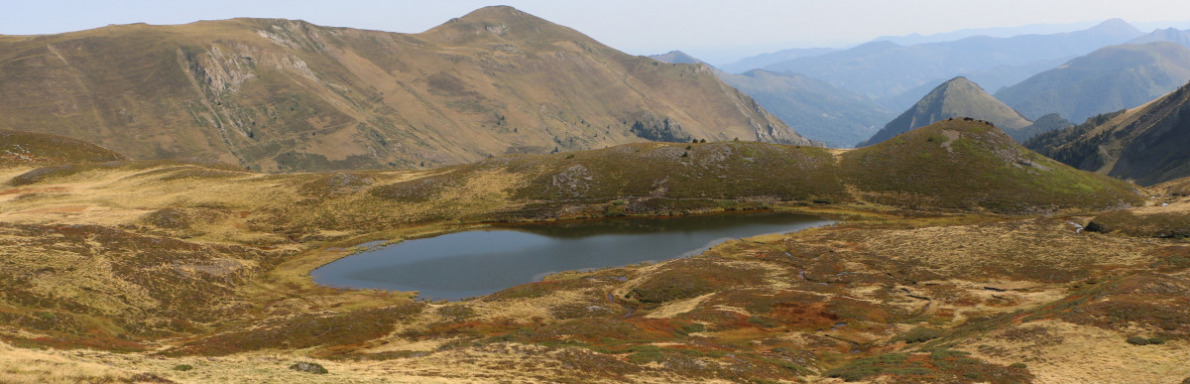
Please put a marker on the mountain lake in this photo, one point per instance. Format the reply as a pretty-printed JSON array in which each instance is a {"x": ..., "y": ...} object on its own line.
[{"x": 479, "y": 262}]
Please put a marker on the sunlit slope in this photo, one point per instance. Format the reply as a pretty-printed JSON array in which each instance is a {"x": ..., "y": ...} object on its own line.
[
  {"x": 280, "y": 95},
  {"x": 34, "y": 149},
  {"x": 968, "y": 164}
]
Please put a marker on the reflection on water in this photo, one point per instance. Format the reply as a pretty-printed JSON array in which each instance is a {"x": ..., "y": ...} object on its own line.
[{"x": 475, "y": 263}]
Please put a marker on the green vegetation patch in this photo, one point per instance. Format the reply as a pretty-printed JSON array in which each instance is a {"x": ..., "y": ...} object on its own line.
[
  {"x": 1162, "y": 225},
  {"x": 934, "y": 366},
  {"x": 335, "y": 184},
  {"x": 421, "y": 189},
  {"x": 306, "y": 330},
  {"x": 723, "y": 170},
  {"x": 980, "y": 169},
  {"x": 920, "y": 335},
  {"x": 692, "y": 277},
  {"x": 28, "y": 148}
]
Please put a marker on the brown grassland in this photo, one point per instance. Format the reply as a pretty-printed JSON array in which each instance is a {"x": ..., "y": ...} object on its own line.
[{"x": 196, "y": 273}]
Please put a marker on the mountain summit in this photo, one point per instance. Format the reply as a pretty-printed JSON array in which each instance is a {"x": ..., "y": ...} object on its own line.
[
  {"x": 501, "y": 22},
  {"x": 955, "y": 98},
  {"x": 676, "y": 57}
]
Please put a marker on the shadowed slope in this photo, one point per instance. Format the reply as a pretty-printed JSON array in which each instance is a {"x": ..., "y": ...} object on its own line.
[{"x": 1147, "y": 144}]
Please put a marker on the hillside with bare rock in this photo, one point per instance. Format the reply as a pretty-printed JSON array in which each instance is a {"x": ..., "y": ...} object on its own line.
[{"x": 281, "y": 95}]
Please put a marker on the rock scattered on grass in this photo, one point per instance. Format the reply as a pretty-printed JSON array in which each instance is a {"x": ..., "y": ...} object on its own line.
[{"x": 314, "y": 368}]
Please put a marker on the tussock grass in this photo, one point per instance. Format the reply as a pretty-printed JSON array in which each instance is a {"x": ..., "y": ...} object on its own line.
[{"x": 197, "y": 259}]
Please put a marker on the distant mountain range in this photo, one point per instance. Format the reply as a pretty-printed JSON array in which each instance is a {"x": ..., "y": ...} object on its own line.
[
  {"x": 1109, "y": 79},
  {"x": 763, "y": 60},
  {"x": 1032, "y": 29},
  {"x": 1173, "y": 35},
  {"x": 1148, "y": 144},
  {"x": 281, "y": 95},
  {"x": 813, "y": 108},
  {"x": 883, "y": 70},
  {"x": 957, "y": 98}
]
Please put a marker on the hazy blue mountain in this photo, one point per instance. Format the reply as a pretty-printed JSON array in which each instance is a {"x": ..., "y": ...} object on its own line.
[
  {"x": 814, "y": 108},
  {"x": 1002, "y": 75},
  {"x": 1109, "y": 79},
  {"x": 1031, "y": 29},
  {"x": 762, "y": 60},
  {"x": 956, "y": 98},
  {"x": 883, "y": 69},
  {"x": 828, "y": 114},
  {"x": 1172, "y": 35}
]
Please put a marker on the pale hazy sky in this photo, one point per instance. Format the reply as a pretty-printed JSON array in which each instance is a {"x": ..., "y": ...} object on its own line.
[{"x": 716, "y": 31}]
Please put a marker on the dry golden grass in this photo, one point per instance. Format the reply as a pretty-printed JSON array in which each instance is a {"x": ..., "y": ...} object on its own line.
[
  {"x": 1063, "y": 353},
  {"x": 774, "y": 307},
  {"x": 22, "y": 366}
]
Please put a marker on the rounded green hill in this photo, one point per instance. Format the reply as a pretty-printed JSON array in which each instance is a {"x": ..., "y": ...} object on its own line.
[{"x": 970, "y": 164}]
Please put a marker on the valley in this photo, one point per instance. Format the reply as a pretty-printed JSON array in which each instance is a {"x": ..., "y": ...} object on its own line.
[
  {"x": 152, "y": 266},
  {"x": 502, "y": 199}
]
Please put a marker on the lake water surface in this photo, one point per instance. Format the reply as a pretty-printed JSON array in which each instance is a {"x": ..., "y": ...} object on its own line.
[{"x": 480, "y": 262}]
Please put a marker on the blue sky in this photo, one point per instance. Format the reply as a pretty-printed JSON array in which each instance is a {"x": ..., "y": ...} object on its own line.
[{"x": 716, "y": 31}]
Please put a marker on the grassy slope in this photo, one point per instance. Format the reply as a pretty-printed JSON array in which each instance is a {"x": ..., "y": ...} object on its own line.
[
  {"x": 26, "y": 148},
  {"x": 280, "y": 95},
  {"x": 970, "y": 165}
]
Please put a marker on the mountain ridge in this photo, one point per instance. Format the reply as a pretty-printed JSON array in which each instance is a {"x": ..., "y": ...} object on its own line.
[
  {"x": 1108, "y": 79},
  {"x": 280, "y": 95},
  {"x": 883, "y": 69},
  {"x": 1145, "y": 144},
  {"x": 1173, "y": 35}
]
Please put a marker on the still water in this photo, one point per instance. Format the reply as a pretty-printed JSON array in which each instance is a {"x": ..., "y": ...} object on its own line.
[{"x": 480, "y": 262}]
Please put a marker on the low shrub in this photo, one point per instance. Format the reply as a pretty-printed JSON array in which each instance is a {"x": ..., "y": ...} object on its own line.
[
  {"x": 314, "y": 368},
  {"x": 920, "y": 334}
]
